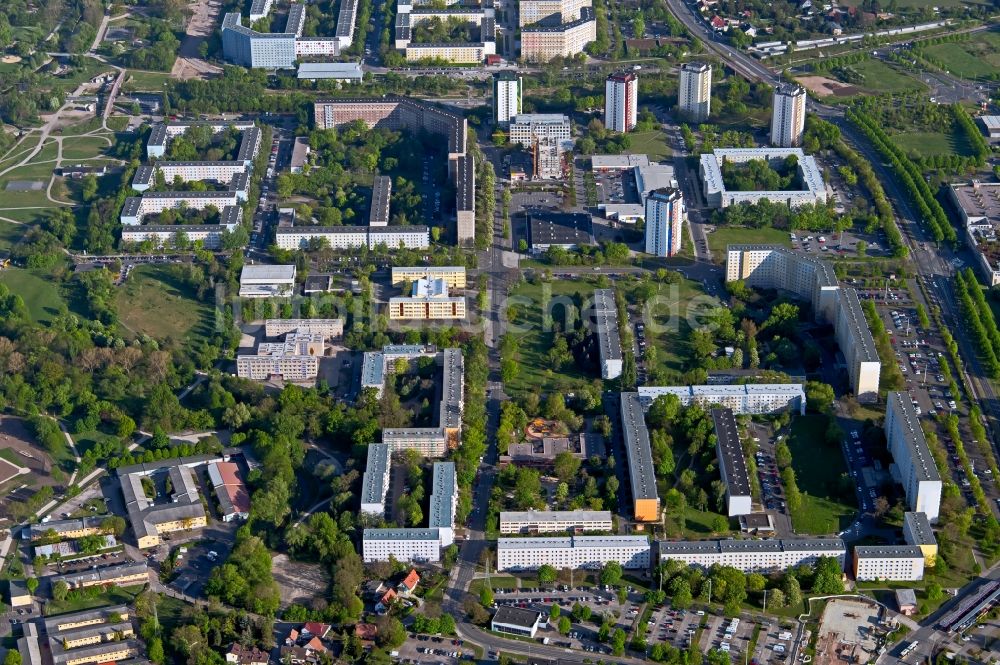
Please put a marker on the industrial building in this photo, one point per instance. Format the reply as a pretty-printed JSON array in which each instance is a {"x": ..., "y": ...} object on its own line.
[
  {"x": 717, "y": 196},
  {"x": 732, "y": 463},
  {"x": 694, "y": 97},
  {"x": 621, "y": 102},
  {"x": 914, "y": 463},
  {"x": 888, "y": 563},
  {"x": 574, "y": 552},
  {"x": 754, "y": 555},
  {"x": 788, "y": 117},
  {"x": 515, "y": 621},
  {"x": 776, "y": 267},
  {"x": 568, "y": 230},
  {"x": 554, "y": 521},
  {"x": 744, "y": 398},
  {"x": 402, "y": 113},
  {"x": 267, "y": 281},
  {"x": 639, "y": 454},
  {"x": 617, "y": 163},
  {"x": 606, "y": 324}
]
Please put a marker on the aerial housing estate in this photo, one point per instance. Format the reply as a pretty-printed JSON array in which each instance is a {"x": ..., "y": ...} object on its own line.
[
  {"x": 482, "y": 43},
  {"x": 813, "y": 189},
  {"x": 101, "y": 635},
  {"x": 244, "y": 46},
  {"x": 234, "y": 174},
  {"x": 776, "y": 267},
  {"x": 379, "y": 366},
  {"x": 555, "y": 28},
  {"x": 400, "y": 113},
  {"x": 296, "y": 356}
]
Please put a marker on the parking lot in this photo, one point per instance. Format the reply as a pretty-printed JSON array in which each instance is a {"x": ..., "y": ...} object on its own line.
[
  {"x": 195, "y": 565},
  {"x": 428, "y": 649}
]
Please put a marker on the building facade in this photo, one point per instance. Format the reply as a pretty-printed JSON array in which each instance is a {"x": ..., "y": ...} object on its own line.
[
  {"x": 754, "y": 555},
  {"x": 454, "y": 276},
  {"x": 888, "y": 563},
  {"x": 621, "y": 102},
  {"x": 812, "y": 191},
  {"x": 507, "y": 90},
  {"x": 695, "y": 93},
  {"x": 528, "y": 128},
  {"x": 748, "y": 398},
  {"x": 917, "y": 531},
  {"x": 915, "y": 464},
  {"x": 788, "y": 118},
  {"x": 543, "y": 43},
  {"x": 575, "y": 552},
  {"x": 664, "y": 222},
  {"x": 554, "y": 521}
]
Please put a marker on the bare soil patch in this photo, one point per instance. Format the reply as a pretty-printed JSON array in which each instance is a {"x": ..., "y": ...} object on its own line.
[
  {"x": 299, "y": 582},
  {"x": 825, "y": 87}
]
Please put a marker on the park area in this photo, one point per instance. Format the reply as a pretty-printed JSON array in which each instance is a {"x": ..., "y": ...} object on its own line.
[
  {"x": 155, "y": 300},
  {"x": 950, "y": 141},
  {"x": 974, "y": 58},
  {"x": 40, "y": 293},
  {"x": 819, "y": 469},
  {"x": 870, "y": 77}
]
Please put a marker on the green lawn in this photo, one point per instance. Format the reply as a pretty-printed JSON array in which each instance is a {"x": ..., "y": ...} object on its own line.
[
  {"x": 880, "y": 78},
  {"x": 975, "y": 58},
  {"x": 9, "y": 233},
  {"x": 699, "y": 523},
  {"x": 84, "y": 147},
  {"x": 652, "y": 143},
  {"x": 88, "y": 440},
  {"x": 496, "y": 582},
  {"x": 669, "y": 310},
  {"x": 527, "y": 302},
  {"x": 818, "y": 468},
  {"x": 150, "y": 81},
  {"x": 40, "y": 294},
  {"x": 155, "y": 301},
  {"x": 933, "y": 143},
  {"x": 115, "y": 596},
  {"x": 734, "y": 235}
]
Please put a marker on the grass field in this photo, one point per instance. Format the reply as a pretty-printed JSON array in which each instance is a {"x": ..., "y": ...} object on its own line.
[
  {"x": 669, "y": 312},
  {"x": 9, "y": 233},
  {"x": 818, "y": 468},
  {"x": 151, "y": 81},
  {"x": 880, "y": 78},
  {"x": 115, "y": 596},
  {"x": 40, "y": 295},
  {"x": 155, "y": 301},
  {"x": 535, "y": 372},
  {"x": 84, "y": 147},
  {"x": 653, "y": 143},
  {"x": 933, "y": 143},
  {"x": 726, "y": 235},
  {"x": 88, "y": 440},
  {"x": 975, "y": 58}
]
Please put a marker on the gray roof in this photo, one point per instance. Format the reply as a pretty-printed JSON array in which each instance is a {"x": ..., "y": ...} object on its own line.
[
  {"x": 571, "y": 517},
  {"x": 373, "y": 488},
  {"x": 36, "y": 531},
  {"x": 443, "y": 495},
  {"x": 267, "y": 272},
  {"x": 515, "y": 616},
  {"x": 730, "y": 453},
  {"x": 918, "y": 452},
  {"x": 452, "y": 381},
  {"x": 250, "y": 141},
  {"x": 818, "y": 545},
  {"x": 106, "y": 631},
  {"x": 637, "y": 448},
  {"x": 862, "y": 334},
  {"x": 402, "y": 534},
  {"x": 606, "y": 321},
  {"x": 381, "y": 191},
  {"x": 157, "y": 136},
  {"x": 888, "y": 552},
  {"x": 52, "y": 623},
  {"x": 95, "y": 651},
  {"x": 105, "y": 574},
  {"x": 918, "y": 527}
]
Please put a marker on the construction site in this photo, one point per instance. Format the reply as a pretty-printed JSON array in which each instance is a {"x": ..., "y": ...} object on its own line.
[{"x": 848, "y": 632}]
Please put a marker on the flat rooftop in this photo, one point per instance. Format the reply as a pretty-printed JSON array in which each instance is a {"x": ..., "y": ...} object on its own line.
[
  {"x": 606, "y": 322},
  {"x": 637, "y": 448},
  {"x": 914, "y": 439},
  {"x": 559, "y": 228},
  {"x": 566, "y": 516},
  {"x": 730, "y": 452},
  {"x": 694, "y": 547}
]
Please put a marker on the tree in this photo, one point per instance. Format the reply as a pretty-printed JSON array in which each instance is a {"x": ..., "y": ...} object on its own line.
[
  {"x": 566, "y": 466},
  {"x": 13, "y": 657},
  {"x": 564, "y": 625},
  {"x": 114, "y": 525},
  {"x": 546, "y": 574},
  {"x": 881, "y": 506},
  {"x": 828, "y": 578},
  {"x": 553, "y": 612},
  {"x": 486, "y": 596},
  {"x": 776, "y": 598},
  {"x": 60, "y": 590},
  {"x": 756, "y": 582},
  {"x": 155, "y": 651},
  {"x": 612, "y": 573},
  {"x": 792, "y": 590},
  {"x": 32, "y": 584}
]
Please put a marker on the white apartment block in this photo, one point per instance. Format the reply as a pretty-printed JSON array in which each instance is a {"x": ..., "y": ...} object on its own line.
[
  {"x": 528, "y": 128},
  {"x": 749, "y": 398},
  {"x": 444, "y": 501},
  {"x": 136, "y": 208},
  {"x": 664, "y": 222},
  {"x": 621, "y": 101},
  {"x": 717, "y": 196},
  {"x": 160, "y": 135},
  {"x": 554, "y": 521},
  {"x": 754, "y": 555},
  {"x": 428, "y": 441},
  {"x": 549, "y": 12},
  {"x": 375, "y": 481},
  {"x": 776, "y": 267},
  {"x": 295, "y": 359},
  {"x": 788, "y": 118},
  {"x": 266, "y": 281},
  {"x": 732, "y": 463},
  {"x": 353, "y": 237},
  {"x": 507, "y": 90},
  {"x": 608, "y": 341},
  {"x": 543, "y": 43},
  {"x": 914, "y": 463},
  {"x": 575, "y": 552},
  {"x": 209, "y": 235},
  {"x": 412, "y": 545},
  {"x": 328, "y": 328},
  {"x": 888, "y": 563},
  {"x": 454, "y": 276},
  {"x": 695, "y": 94},
  {"x": 222, "y": 172},
  {"x": 430, "y": 301},
  {"x": 456, "y": 53}
]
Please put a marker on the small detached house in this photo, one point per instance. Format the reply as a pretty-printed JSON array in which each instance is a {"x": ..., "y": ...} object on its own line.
[{"x": 409, "y": 583}]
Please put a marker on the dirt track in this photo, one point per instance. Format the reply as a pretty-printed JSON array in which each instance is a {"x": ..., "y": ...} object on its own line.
[{"x": 204, "y": 19}]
